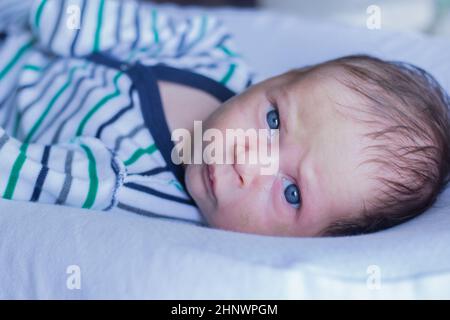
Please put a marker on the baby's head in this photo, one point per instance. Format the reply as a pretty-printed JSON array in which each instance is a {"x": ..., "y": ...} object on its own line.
[{"x": 364, "y": 145}]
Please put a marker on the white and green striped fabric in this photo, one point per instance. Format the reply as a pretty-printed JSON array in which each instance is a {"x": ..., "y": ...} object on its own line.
[
  {"x": 81, "y": 173},
  {"x": 71, "y": 130}
]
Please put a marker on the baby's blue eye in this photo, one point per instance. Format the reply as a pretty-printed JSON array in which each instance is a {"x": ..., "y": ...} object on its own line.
[
  {"x": 273, "y": 119},
  {"x": 292, "y": 194}
]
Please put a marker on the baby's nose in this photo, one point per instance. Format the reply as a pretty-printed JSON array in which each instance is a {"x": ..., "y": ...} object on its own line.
[{"x": 246, "y": 163}]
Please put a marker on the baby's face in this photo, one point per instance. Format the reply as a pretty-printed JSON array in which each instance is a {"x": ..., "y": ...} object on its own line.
[{"x": 319, "y": 177}]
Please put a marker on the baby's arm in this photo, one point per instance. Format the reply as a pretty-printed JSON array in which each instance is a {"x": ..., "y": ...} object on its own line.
[
  {"x": 129, "y": 29},
  {"x": 82, "y": 173},
  {"x": 100, "y": 25}
]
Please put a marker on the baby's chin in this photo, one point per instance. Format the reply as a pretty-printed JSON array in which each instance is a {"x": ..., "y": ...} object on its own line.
[
  {"x": 195, "y": 187},
  {"x": 190, "y": 178}
]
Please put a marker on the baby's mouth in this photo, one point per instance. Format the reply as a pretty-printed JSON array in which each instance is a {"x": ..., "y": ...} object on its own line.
[{"x": 209, "y": 180}]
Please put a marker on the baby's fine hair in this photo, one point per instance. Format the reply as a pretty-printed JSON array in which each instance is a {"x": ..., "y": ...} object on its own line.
[{"x": 410, "y": 148}]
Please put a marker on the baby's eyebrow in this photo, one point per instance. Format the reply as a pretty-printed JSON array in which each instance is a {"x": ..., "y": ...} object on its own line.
[
  {"x": 306, "y": 178},
  {"x": 282, "y": 100},
  {"x": 302, "y": 186},
  {"x": 289, "y": 111}
]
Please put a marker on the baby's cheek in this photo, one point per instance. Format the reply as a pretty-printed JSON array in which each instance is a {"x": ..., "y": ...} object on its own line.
[
  {"x": 240, "y": 215},
  {"x": 193, "y": 181},
  {"x": 254, "y": 214},
  {"x": 244, "y": 219},
  {"x": 281, "y": 228}
]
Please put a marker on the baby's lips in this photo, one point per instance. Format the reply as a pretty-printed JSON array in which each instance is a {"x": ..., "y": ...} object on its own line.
[
  {"x": 210, "y": 180},
  {"x": 211, "y": 172}
]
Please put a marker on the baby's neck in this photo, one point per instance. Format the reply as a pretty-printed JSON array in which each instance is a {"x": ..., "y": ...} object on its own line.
[{"x": 183, "y": 105}]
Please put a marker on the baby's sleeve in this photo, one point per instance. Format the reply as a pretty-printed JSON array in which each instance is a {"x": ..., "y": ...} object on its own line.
[
  {"x": 83, "y": 173},
  {"x": 81, "y": 27},
  {"x": 127, "y": 29}
]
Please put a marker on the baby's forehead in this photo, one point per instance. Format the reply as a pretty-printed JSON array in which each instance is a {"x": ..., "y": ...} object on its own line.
[
  {"x": 321, "y": 97},
  {"x": 324, "y": 82}
]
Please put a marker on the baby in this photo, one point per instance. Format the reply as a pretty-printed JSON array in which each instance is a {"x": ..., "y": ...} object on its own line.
[
  {"x": 87, "y": 114},
  {"x": 364, "y": 145}
]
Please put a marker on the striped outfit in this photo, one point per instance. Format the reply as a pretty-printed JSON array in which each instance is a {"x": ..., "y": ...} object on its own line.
[{"x": 81, "y": 118}]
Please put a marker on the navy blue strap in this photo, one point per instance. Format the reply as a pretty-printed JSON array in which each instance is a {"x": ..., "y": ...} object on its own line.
[{"x": 194, "y": 80}]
